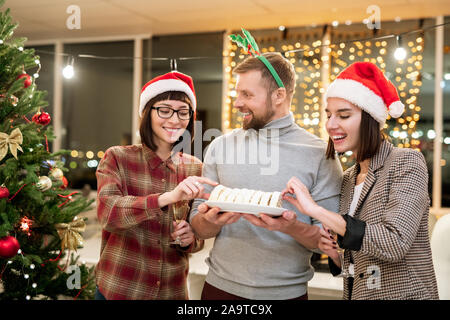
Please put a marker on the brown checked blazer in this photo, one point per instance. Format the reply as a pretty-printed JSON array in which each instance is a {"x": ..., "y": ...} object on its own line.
[{"x": 387, "y": 238}]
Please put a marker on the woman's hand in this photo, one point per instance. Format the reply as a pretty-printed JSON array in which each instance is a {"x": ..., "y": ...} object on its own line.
[
  {"x": 304, "y": 202},
  {"x": 191, "y": 188},
  {"x": 183, "y": 230},
  {"x": 328, "y": 246}
]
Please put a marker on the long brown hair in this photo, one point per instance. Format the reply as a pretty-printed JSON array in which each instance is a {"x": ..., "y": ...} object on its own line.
[
  {"x": 370, "y": 139},
  {"x": 145, "y": 127}
]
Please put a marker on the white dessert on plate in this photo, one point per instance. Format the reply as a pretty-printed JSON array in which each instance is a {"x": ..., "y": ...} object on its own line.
[
  {"x": 216, "y": 192},
  {"x": 265, "y": 199},
  {"x": 246, "y": 196},
  {"x": 276, "y": 199},
  {"x": 224, "y": 195},
  {"x": 232, "y": 196},
  {"x": 240, "y": 198},
  {"x": 256, "y": 197}
]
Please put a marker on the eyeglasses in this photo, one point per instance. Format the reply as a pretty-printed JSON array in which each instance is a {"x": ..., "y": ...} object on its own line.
[{"x": 167, "y": 113}]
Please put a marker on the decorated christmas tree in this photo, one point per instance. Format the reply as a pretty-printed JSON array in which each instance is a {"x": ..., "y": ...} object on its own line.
[{"x": 39, "y": 228}]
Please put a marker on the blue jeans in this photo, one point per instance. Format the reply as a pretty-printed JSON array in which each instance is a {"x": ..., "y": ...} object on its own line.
[{"x": 98, "y": 295}]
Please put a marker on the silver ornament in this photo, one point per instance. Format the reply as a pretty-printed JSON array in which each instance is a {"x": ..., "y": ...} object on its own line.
[
  {"x": 56, "y": 174},
  {"x": 44, "y": 183}
]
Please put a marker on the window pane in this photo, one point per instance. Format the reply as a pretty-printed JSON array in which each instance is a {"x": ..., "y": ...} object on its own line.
[{"x": 97, "y": 106}]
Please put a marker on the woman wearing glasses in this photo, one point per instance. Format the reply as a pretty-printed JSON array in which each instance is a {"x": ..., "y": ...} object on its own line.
[
  {"x": 383, "y": 220},
  {"x": 141, "y": 189}
]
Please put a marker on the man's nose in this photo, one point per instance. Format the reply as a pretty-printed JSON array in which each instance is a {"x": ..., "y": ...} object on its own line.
[{"x": 237, "y": 102}]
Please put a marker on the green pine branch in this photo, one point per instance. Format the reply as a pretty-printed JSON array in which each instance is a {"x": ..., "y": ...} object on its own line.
[{"x": 40, "y": 245}]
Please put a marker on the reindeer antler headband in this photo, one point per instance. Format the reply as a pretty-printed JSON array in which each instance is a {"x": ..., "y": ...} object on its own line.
[{"x": 249, "y": 44}]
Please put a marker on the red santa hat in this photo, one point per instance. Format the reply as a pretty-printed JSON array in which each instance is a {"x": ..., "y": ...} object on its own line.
[
  {"x": 364, "y": 85},
  {"x": 172, "y": 81}
]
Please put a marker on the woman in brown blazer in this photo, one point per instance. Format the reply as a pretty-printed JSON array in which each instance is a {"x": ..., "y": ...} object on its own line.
[{"x": 383, "y": 216}]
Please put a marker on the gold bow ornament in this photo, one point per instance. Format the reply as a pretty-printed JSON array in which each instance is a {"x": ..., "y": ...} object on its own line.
[
  {"x": 70, "y": 234},
  {"x": 11, "y": 141}
]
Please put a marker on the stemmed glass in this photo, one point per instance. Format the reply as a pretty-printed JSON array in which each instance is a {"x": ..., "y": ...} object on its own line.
[
  {"x": 178, "y": 216},
  {"x": 340, "y": 251}
]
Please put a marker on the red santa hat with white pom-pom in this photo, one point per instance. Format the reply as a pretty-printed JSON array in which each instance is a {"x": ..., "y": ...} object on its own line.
[
  {"x": 364, "y": 85},
  {"x": 172, "y": 81}
]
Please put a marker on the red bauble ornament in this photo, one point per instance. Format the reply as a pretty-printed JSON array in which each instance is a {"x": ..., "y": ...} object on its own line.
[
  {"x": 42, "y": 118},
  {"x": 4, "y": 192},
  {"x": 65, "y": 182},
  {"x": 27, "y": 81},
  {"x": 8, "y": 247}
]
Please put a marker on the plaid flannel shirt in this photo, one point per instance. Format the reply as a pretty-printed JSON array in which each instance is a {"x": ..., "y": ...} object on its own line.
[{"x": 136, "y": 260}]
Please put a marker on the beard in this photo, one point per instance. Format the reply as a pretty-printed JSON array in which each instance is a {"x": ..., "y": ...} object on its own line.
[{"x": 258, "y": 123}]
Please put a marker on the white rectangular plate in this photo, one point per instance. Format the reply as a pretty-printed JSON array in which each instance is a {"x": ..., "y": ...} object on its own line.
[{"x": 245, "y": 208}]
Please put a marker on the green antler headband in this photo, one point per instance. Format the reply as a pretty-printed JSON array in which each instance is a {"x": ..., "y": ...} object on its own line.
[{"x": 249, "y": 44}]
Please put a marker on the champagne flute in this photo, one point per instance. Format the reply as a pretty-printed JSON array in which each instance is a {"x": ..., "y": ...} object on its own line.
[
  {"x": 178, "y": 216},
  {"x": 340, "y": 251}
]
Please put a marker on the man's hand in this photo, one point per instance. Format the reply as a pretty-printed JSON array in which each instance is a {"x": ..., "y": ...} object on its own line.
[
  {"x": 208, "y": 222},
  {"x": 284, "y": 223},
  {"x": 305, "y": 234},
  {"x": 213, "y": 216}
]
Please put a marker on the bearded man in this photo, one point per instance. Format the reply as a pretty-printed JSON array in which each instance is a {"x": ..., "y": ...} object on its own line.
[{"x": 264, "y": 258}]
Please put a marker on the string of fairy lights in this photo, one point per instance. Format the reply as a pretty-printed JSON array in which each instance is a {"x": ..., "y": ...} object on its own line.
[{"x": 315, "y": 59}]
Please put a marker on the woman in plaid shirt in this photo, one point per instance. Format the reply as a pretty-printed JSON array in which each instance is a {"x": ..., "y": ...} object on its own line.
[
  {"x": 384, "y": 206},
  {"x": 140, "y": 187}
]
